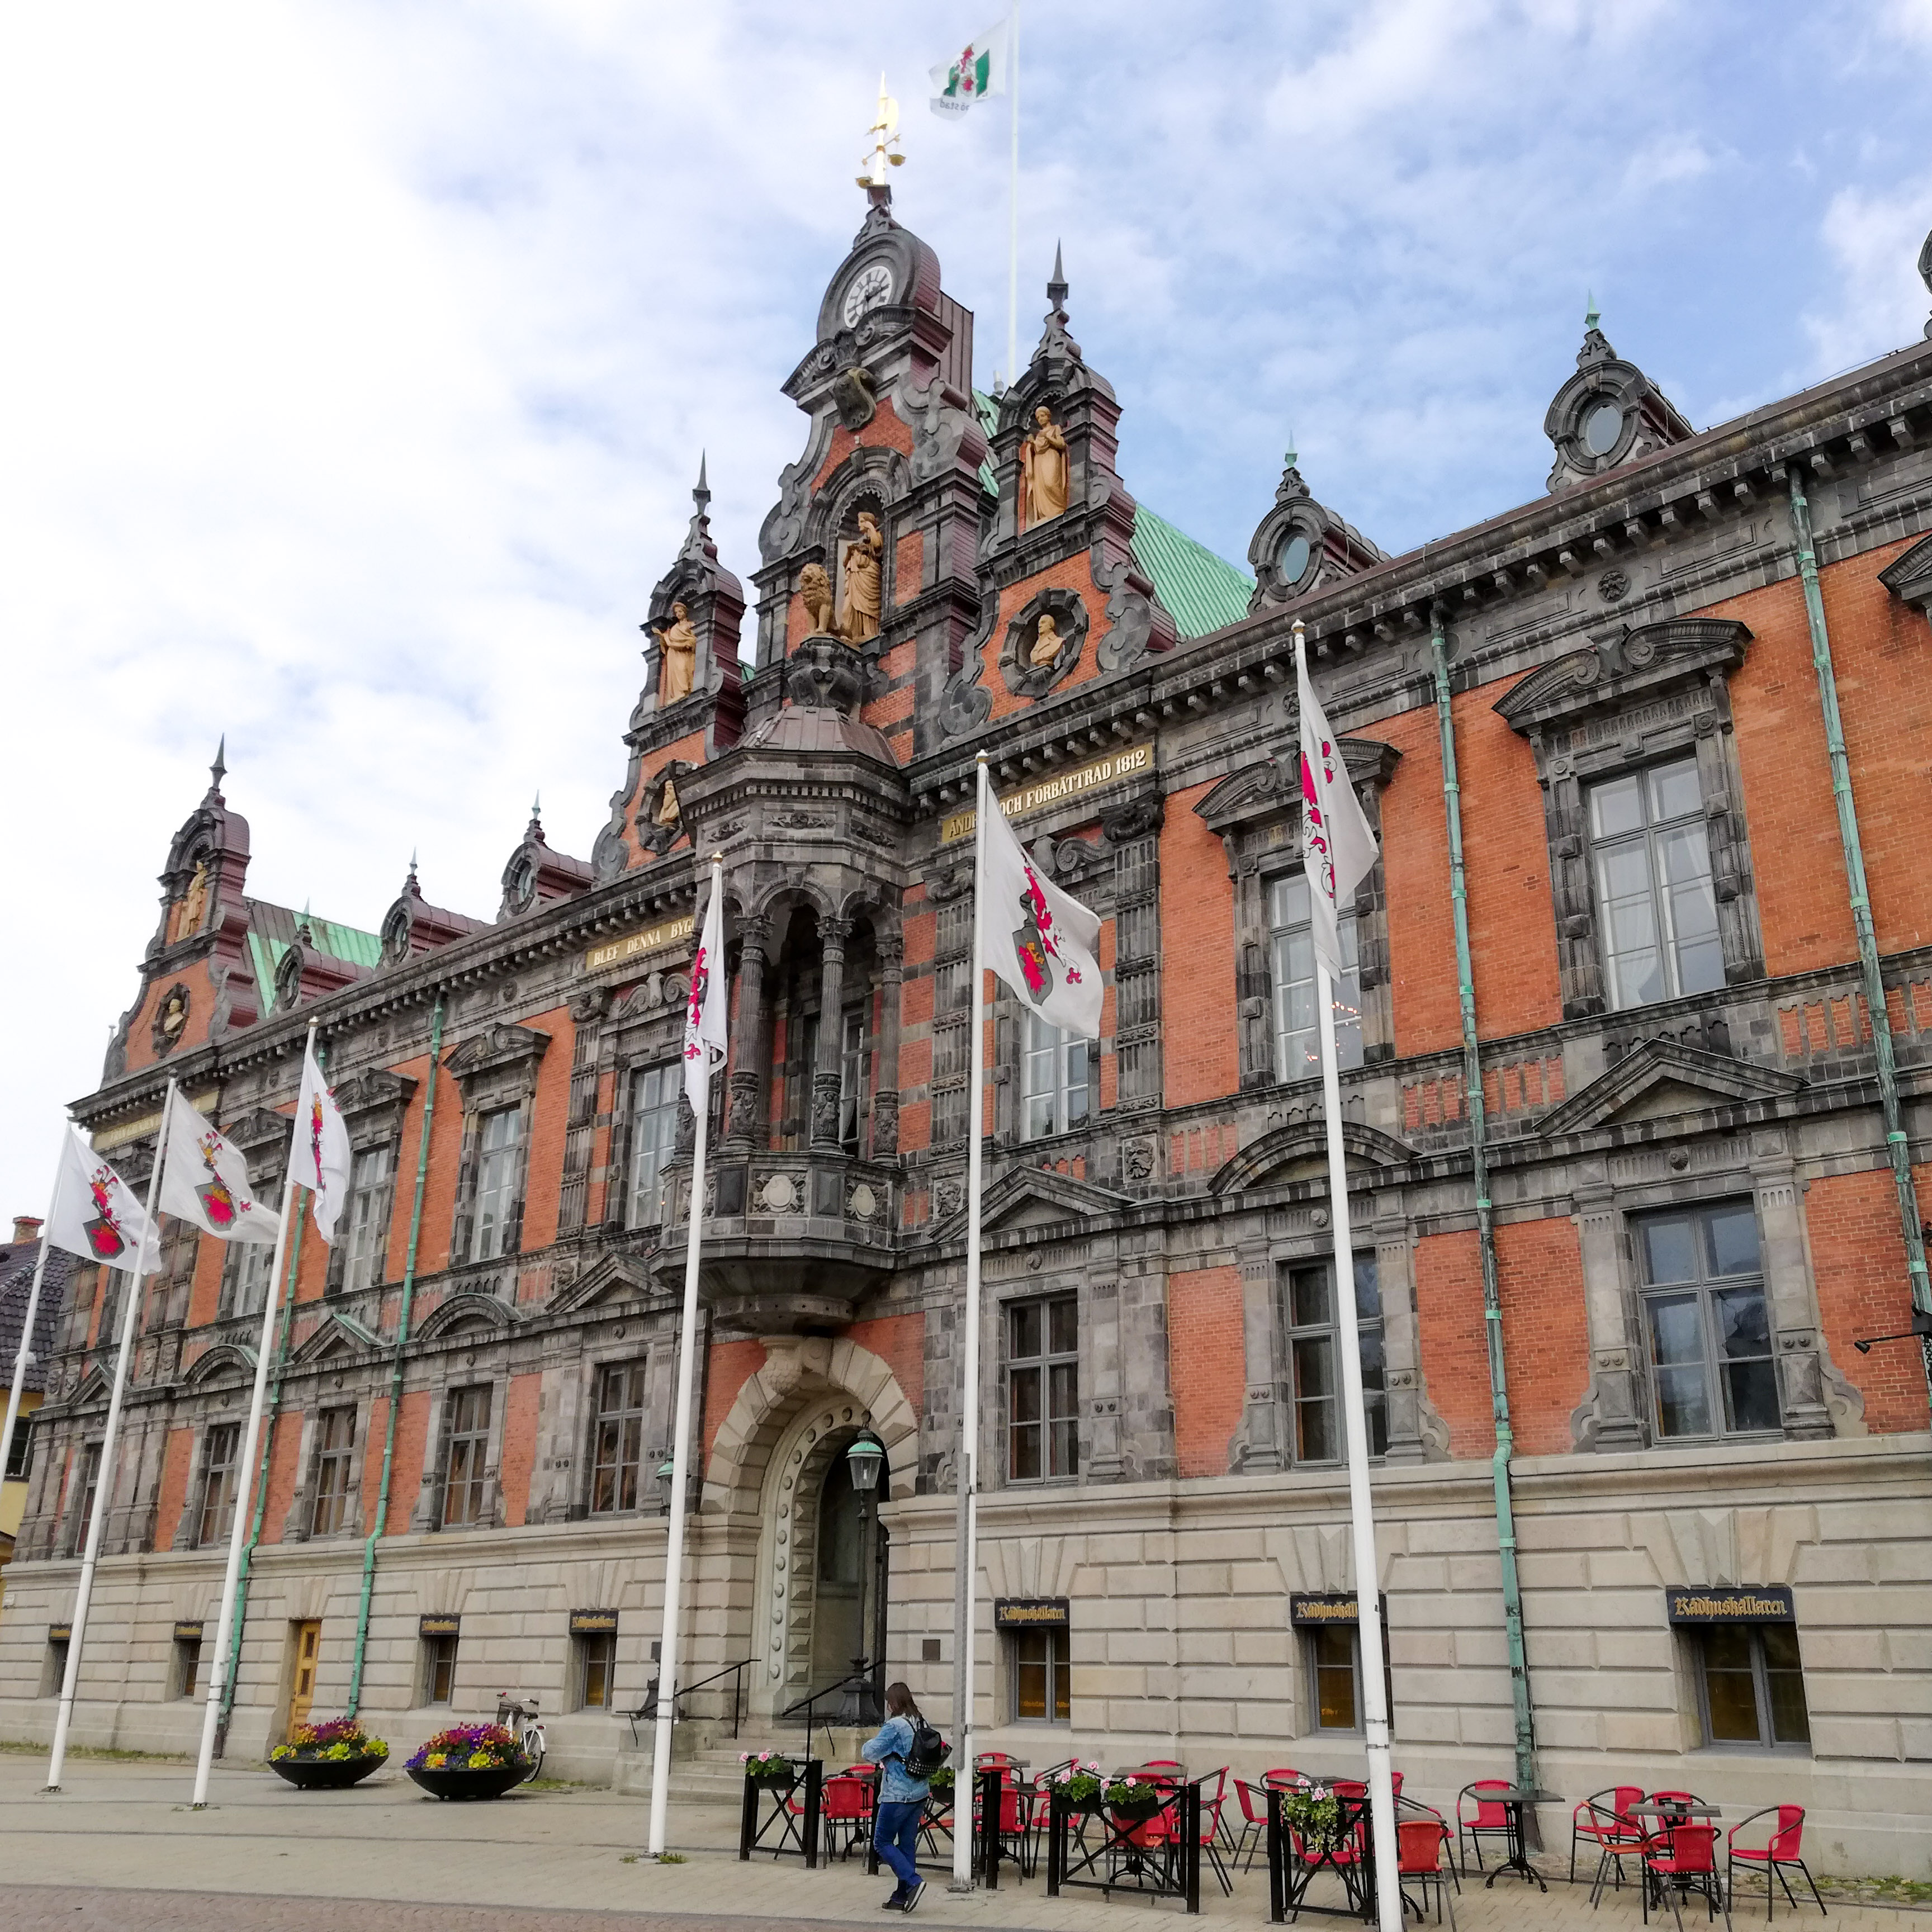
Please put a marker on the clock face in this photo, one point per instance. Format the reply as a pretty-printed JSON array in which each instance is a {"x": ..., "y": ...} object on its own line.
[{"x": 868, "y": 288}]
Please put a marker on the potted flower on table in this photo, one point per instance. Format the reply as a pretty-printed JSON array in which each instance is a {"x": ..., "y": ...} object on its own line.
[
  {"x": 328, "y": 1757},
  {"x": 469, "y": 1761},
  {"x": 1133, "y": 1799},
  {"x": 1080, "y": 1786},
  {"x": 1314, "y": 1814},
  {"x": 766, "y": 1767}
]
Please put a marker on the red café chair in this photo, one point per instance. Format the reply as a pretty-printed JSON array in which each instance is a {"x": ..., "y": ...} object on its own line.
[
  {"x": 1478, "y": 1817},
  {"x": 1412, "y": 1810},
  {"x": 1603, "y": 1819},
  {"x": 1419, "y": 1842},
  {"x": 1016, "y": 1814},
  {"x": 1678, "y": 1861},
  {"x": 1785, "y": 1849},
  {"x": 1253, "y": 1801},
  {"x": 845, "y": 1809},
  {"x": 1211, "y": 1827}
]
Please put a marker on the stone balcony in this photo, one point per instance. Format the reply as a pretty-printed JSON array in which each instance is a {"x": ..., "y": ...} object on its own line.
[{"x": 792, "y": 1240}]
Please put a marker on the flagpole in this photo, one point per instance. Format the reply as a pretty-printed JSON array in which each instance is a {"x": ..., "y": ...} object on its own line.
[
  {"x": 1013, "y": 217},
  {"x": 680, "y": 1452},
  {"x": 103, "y": 1484},
  {"x": 966, "y": 1531},
  {"x": 231, "y": 1580},
  {"x": 24, "y": 1354}
]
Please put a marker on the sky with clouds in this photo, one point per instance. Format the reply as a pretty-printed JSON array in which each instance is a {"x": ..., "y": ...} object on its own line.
[{"x": 357, "y": 356}]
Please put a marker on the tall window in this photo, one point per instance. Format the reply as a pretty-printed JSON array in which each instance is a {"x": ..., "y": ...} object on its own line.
[
  {"x": 655, "y": 1091},
  {"x": 1041, "y": 1678},
  {"x": 1053, "y": 1094},
  {"x": 220, "y": 1447},
  {"x": 85, "y": 1488},
  {"x": 1334, "y": 1653},
  {"x": 1711, "y": 1370},
  {"x": 1753, "y": 1686},
  {"x": 467, "y": 1447},
  {"x": 1043, "y": 1389},
  {"x": 617, "y": 1459},
  {"x": 851, "y": 1078},
  {"x": 1656, "y": 909},
  {"x": 20, "y": 1450},
  {"x": 366, "y": 1217},
  {"x": 1297, "y": 1038},
  {"x": 596, "y": 1669},
  {"x": 188, "y": 1664},
  {"x": 499, "y": 1145},
  {"x": 251, "y": 1266},
  {"x": 1314, "y": 1361},
  {"x": 335, "y": 1447},
  {"x": 438, "y": 1669}
]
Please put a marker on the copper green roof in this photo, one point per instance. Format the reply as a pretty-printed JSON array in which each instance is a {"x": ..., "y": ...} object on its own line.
[
  {"x": 270, "y": 929},
  {"x": 1203, "y": 592}
]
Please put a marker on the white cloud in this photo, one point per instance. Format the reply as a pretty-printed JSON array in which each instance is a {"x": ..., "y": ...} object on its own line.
[
  {"x": 1672, "y": 157},
  {"x": 1876, "y": 302}
]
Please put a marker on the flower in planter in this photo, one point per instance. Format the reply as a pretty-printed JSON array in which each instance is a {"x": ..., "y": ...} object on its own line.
[
  {"x": 771, "y": 1764},
  {"x": 467, "y": 1747},
  {"x": 336, "y": 1740},
  {"x": 1079, "y": 1782},
  {"x": 941, "y": 1779},
  {"x": 1131, "y": 1791},
  {"x": 1311, "y": 1812}
]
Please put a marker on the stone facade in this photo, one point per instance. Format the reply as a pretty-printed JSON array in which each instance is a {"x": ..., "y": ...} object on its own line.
[{"x": 524, "y": 1189}]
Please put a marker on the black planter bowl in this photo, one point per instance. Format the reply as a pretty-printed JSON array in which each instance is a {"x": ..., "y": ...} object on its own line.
[
  {"x": 325, "y": 1773},
  {"x": 1137, "y": 1812},
  {"x": 452, "y": 1783}
]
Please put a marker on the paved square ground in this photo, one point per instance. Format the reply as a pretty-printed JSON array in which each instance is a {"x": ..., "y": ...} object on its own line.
[{"x": 119, "y": 1846}]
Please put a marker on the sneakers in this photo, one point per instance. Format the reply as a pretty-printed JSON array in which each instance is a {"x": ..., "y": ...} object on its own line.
[
  {"x": 914, "y": 1897},
  {"x": 896, "y": 1903}
]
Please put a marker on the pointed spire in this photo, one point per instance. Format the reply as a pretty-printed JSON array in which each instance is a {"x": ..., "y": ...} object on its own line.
[
  {"x": 1056, "y": 288},
  {"x": 217, "y": 771},
  {"x": 535, "y": 829},
  {"x": 1291, "y": 459},
  {"x": 1592, "y": 315},
  {"x": 701, "y": 496},
  {"x": 305, "y": 931},
  {"x": 413, "y": 862}
]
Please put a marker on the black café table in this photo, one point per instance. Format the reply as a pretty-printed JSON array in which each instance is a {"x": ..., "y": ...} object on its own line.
[
  {"x": 1672, "y": 1813},
  {"x": 1513, "y": 1801}
]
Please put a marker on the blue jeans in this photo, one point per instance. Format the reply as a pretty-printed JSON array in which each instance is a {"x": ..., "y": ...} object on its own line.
[{"x": 896, "y": 1838}]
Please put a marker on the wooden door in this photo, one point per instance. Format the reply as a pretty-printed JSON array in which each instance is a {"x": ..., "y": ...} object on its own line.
[{"x": 301, "y": 1695}]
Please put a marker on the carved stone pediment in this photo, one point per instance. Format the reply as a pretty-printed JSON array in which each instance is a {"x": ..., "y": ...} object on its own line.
[
  {"x": 1038, "y": 1198},
  {"x": 496, "y": 1049},
  {"x": 1608, "y": 675},
  {"x": 1909, "y": 577},
  {"x": 463, "y": 1310},
  {"x": 1300, "y": 1152},
  {"x": 219, "y": 1364},
  {"x": 1271, "y": 786},
  {"x": 611, "y": 1278},
  {"x": 1661, "y": 1077},
  {"x": 374, "y": 1087},
  {"x": 261, "y": 1135}
]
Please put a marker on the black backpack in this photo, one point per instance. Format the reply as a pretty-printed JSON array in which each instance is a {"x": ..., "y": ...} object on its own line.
[{"x": 928, "y": 1751}]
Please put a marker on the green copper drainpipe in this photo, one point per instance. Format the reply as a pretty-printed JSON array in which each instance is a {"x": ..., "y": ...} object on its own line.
[
  {"x": 262, "y": 1480},
  {"x": 377, "y": 1527},
  {"x": 1486, "y": 1228},
  {"x": 1896, "y": 1146}
]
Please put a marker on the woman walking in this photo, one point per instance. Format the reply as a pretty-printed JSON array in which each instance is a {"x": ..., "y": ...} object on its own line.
[{"x": 901, "y": 1806}]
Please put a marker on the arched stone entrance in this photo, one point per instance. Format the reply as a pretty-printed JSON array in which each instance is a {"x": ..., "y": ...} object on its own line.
[{"x": 819, "y": 1598}]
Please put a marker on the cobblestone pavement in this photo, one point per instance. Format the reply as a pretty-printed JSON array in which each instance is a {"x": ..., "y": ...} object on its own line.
[{"x": 119, "y": 1846}]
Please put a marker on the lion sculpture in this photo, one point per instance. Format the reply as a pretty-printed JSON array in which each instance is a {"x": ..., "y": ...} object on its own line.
[{"x": 815, "y": 587}]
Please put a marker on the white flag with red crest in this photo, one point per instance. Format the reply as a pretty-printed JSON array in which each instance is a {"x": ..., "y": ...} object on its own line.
[
  {"x": 704, "y": 1011},
  {"x": 205, "y": 1180},
  {"x": 1338, "y": 849},
  {"x": 94, "y": 1214},
  {"x": 1045, "y": 945},
  {"x": 320, "y": 1157}
]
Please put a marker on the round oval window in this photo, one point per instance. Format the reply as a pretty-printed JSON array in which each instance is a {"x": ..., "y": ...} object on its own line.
[
  {"x": 1601, "y": 428},
  {"x": 1292, "y": 564}
]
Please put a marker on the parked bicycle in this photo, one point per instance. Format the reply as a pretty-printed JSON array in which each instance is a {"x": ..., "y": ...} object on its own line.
[{"x": 521, "y": 1721}]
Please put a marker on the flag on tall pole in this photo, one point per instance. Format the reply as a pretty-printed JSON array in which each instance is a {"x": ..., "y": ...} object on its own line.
[
  {"x": 1339, "y": 852},
  {"x": 976, "y": 73},
  {"x": 1046, "y": 947},
  {"x": 196, "y": 1151},
  {"x": 94, "y": 1215},
  {"x": 704, "y": 1051},
  {"x": 320, "y": 1160}
]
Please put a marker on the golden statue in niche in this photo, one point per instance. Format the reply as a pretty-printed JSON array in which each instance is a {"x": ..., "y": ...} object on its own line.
[
  {"x": 815, "y": 588},
  {"x": 668, "y": 812},
  {"x": 174, "y": 1014},
  {"x": 678, "y": 641},
  {"x": 194, "y": 901},
  {"x": 859, "y": 570},
  {"x": 1046, "y": 644},
  {"x": 1043, "y": 469}
]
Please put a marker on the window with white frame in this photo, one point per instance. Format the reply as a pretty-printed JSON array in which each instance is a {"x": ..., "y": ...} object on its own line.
[
  {"x": 1656, "y": 908},
  {"x": 498, "y": 1163},
  {"x": 617, "y": 1449},
  {"x": 1314, "y": 1359},
  {"x": 1054, "y": 1095},
  {"x": 466, "y": 1453},
  {"x": 251, "y": 1268},
  {"x": 1708, "y": 1323},
  {"x": 655, "y": 1094},
  {"x": 366, "y": 1218},
  {"x": 334, "y": 1451},
  {"x": 1043, "y": 1389},
  {"x": 1297, "y": 1038},
  {"x": 851, "y": 1077},
  {"x": 220, "y": 1447}
]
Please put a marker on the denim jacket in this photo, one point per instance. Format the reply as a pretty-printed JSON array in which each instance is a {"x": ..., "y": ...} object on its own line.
[{"x": 888, "y": 1751}]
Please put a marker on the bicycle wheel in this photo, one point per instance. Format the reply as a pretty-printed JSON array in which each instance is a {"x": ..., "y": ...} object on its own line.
[{"x": 533, "y": 1749}]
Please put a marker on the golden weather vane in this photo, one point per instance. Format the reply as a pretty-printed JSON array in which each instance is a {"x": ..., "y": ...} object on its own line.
[{"x": 885, "y": 133}]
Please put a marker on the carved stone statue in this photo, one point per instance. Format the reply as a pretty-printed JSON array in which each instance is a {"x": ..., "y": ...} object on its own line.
[
  {"x": 859, "y": 581},
  {"x": 1043, "y": 469},
  {"x": 194, "y": 902},
  {"x": 667, "y": 813},
  {"x": 174, "y": 1014},
  {"x": 1047, "y": 645},
  {"x": 678, "y": 641},
  {"x": 815, "y": 588}
]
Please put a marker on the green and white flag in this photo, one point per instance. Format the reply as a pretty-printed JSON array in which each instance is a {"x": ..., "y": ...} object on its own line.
[{"x": 978, "y": 70}]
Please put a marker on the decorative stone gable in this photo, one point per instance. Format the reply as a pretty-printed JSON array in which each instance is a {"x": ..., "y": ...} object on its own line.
[
  {"x": 412, "y": 926},
  {"x": 535, "y": 876},
  {"x": 1608, "y": 414},
  {"x": 1301, "y": 546}
]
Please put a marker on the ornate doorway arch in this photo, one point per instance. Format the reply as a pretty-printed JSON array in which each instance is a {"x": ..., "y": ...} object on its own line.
[{"x": 785, "y": 1434}]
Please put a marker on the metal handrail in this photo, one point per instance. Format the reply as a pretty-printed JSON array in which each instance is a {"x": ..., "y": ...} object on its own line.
[
  {"x": 649, "y": 1708},
  {"x": 863, "y": 1674}
]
